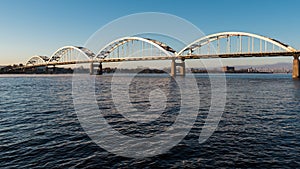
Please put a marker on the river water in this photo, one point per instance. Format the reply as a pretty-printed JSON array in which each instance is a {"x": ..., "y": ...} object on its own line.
[{"x": 260, "y": 126}]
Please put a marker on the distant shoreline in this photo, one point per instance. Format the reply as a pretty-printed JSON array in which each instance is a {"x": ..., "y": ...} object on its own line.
[
  {"x": 70, "y": 74},
  {"x": 108, "y": 70},
  {"x": 239, "y": 73}
]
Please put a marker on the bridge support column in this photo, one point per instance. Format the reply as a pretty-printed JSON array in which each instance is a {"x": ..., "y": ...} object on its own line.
[
  {"x": 182, "y": 68},
  {"x": 100, "y": 70},
  {"x": 173, "y": 68},
  {"x": 296, "y": 70},
  {"x": 174, "y": 65},
  {"x": 92, "y": 69}
]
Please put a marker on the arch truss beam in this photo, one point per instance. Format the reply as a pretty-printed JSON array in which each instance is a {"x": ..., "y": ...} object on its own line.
[
  {"x": 234, "y": 43},
  {"x": 134, "y": 47}
]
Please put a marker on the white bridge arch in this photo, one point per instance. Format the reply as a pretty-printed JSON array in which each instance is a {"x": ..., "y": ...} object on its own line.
[
  {"x": 67, "y": 51},
  {"x": 107, "y": 50},
  {"x": 206, "y": 40},
  {"x": 36, "y": 60}
]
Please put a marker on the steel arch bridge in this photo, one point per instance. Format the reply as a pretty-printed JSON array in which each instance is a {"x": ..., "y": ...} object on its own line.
[
  {"x": 66, "y": 54},
  {"x": 218, "y": 45},
  {"x": 135, "y": 47},
  {"x": 227, "y": 36},
  {"x": 36, "y": 60}
]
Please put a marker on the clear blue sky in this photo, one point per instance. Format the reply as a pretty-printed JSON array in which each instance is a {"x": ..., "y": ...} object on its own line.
[{"x": 41, "y": 26}]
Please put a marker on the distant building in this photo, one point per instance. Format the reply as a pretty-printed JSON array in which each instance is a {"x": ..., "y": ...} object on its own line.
[
  {"x": 251, "y": 70},
  {"x": 228, "y": 69}
]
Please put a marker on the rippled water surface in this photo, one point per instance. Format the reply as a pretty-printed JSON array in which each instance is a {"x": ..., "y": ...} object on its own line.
[{"x": 260, "y": 126}]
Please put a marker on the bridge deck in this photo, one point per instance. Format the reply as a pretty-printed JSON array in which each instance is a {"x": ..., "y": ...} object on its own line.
[{"x": 208, "y": 56}]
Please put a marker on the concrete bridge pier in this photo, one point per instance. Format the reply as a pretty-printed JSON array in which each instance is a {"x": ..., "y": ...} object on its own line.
[
  {"x": 181, "y": 69},
  {"x": 92, "y": 69},
  {"x": 100, "y": 70},
  {"x": 296, "y": 70}
]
